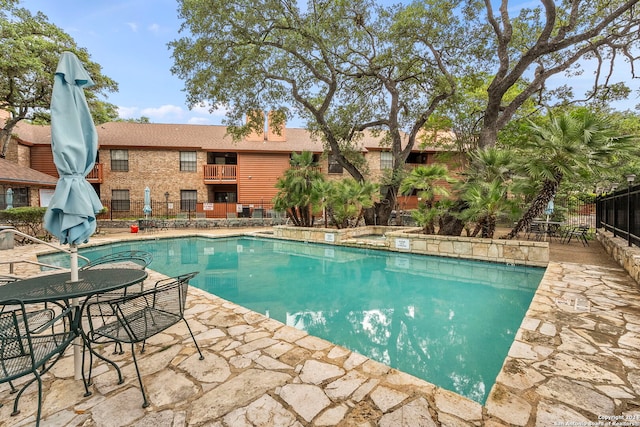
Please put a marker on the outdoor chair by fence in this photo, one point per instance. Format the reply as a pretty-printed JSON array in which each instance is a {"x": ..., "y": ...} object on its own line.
[
  {"x": 535, "y": 231},
  {"x": 25, "y": 350},
  {"x": 579, "y": 233},
  {"x": 137, "y": 317}
]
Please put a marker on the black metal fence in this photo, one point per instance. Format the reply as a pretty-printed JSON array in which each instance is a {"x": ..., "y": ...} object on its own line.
[
  {"x": 573, "y": 211},
  {"x": 617, "y": 212},
  {"x": 134, "y": 209}
]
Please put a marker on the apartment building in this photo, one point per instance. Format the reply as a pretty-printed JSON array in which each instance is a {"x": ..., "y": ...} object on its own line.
[{"x": 193, "y": 168}]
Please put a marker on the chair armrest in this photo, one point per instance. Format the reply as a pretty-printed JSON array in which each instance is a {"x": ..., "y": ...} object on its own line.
[{"x": 41, "y": 328}]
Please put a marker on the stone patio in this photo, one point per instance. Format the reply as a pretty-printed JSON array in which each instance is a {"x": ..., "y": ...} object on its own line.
[{"x": 575, "y": 361}]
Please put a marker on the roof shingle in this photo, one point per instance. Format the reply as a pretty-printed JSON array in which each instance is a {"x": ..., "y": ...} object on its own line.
[{"x": 11, "y": 173}]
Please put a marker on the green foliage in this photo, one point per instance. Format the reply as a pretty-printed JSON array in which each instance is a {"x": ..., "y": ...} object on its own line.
[
  {"x": 30, "y": 48},
  {"x": 429, "y": 183},
  {"x": 345, "y": 200},
  {"x": 488, "y": 183},
  {"x": 344, "y": 67},
  {"x": 297, "y": 189},
  {"x": 25, "y": 219},
  {"x": 574, "y": 145},
  {"x": 569, "y": 147}
]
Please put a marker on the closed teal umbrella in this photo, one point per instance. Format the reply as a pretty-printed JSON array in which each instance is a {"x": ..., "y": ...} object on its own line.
[
  {"x": 9, "y": 198},
  {"x": 147, "y": 202},
  {"x": 71, "y": 215}
]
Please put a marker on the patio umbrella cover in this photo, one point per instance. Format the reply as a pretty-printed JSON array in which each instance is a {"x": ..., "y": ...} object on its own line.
[
  {"x": 147, "y": 202},
  {"x": 549, "y": 209},
  {"x": 71, "y": 215},
  {"x": 9, "y": 198}
]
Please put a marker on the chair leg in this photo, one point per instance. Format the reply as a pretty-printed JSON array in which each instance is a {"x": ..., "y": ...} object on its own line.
[
  {"x": 585, "y": 242},
  {"x": 87, "y": 380},
  {"x": 145, "y": 402},
  {"x": 193, "y": 338},
  {"x": 16, "y": 401}
]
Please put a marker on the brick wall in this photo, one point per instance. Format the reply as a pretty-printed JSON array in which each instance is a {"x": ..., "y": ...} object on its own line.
[{"x": 157, "y": 169}]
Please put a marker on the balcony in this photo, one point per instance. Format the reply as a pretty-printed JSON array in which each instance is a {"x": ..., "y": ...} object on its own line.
[
  {"x": 220, "y": 174},
  {"x": 95, "y": 176}
]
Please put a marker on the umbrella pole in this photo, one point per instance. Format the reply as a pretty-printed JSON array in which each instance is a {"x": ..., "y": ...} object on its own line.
[
  {"x": 77, "y": 343},
  {"x": 546, "y": 230}
]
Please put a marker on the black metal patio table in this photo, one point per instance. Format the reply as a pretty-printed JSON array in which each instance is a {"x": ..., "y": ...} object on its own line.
[{"x": 59, "y": 289}]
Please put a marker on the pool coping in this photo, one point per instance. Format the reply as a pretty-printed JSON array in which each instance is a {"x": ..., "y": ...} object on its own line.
[{"x": 540, "y": 375}]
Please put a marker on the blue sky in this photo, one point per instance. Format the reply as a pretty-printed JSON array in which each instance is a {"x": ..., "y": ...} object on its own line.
[{"x": 128, "y": 38}]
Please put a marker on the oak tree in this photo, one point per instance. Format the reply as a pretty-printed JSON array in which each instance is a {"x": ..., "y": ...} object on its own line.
[
  {"x": 345, "y": 67},
  {"x": 30, "y": 48}
]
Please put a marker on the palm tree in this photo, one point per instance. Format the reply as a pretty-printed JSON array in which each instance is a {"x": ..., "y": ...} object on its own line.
[
  {"x": 297, "y": 194},
  {"x": 346, "y": 200},
  {"x": 485, "y": 202},
  {"x": 486, "y": 189},
  {"x": 573, "y": 145},
  {"x": 428, "y": 180}
]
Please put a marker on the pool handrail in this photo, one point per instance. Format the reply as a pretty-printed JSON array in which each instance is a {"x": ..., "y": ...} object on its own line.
[{"x": 35, "y": 240}]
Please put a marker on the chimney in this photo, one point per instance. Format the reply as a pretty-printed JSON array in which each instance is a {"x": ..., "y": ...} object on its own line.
[
  {"x": 279, "y": 135},
  {"x": 256, "y": 136}
]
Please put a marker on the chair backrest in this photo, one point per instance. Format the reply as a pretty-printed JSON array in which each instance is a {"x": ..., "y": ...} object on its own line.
[
  {"x": 125, "y": 259},
  {"x": 147, "y": 313},
  {"x": 23, "y": 351}
]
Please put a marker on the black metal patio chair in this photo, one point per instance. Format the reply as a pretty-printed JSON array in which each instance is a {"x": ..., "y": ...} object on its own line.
[
  {"x": 123, "y": 259},
  {"x": 133, "y": 259},
  {"x": 135, "y": 318},
  {"x": 26, "y": 350},
  {"x": 580, "y": 233}
]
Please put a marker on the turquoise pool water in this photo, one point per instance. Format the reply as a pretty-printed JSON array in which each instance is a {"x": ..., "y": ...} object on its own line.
[{"x": 450, "y": 322}]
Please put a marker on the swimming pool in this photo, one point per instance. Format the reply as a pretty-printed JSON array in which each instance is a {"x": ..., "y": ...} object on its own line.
[{"x": 450, "y": 322}]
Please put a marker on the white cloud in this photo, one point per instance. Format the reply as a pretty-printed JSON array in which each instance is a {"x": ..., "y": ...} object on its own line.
[
  {"x": 154, "y": 28},
  {"x": 199, "y": 121},
  {"x": 204, "y": 109},
  {"x": 162, "y": 112},
  {"x": 128, "y": 112},
  {"x": 133, "y": 26}
]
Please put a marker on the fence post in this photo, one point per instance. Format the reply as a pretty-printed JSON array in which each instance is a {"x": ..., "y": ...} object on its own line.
[{"x": 630, "y": 178}]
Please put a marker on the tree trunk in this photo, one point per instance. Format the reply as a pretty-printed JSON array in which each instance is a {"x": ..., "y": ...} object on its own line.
[
  {"x": 449, "y": 224},
  {"x": 537, "y": 206},
  {"x": 5, "y": 139},
  {"x": 6, "y": 131},
  {"x": 488, "y": 134},
  {"x": 380, "y": 213},
  {"x": 489, "y": 228}
]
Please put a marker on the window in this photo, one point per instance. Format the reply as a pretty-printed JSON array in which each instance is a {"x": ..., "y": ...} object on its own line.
[
  {"x": 334, "y": 167},
  {"x": 386, "y": 160},
  {"x": 120, "y": 160},
  {"x": 188, "y": 161},
  {"x": 120, "y": 200},
  {"x": 188, "y": 200}
]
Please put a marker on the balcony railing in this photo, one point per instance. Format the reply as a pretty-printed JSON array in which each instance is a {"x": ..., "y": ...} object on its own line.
[
  {"x": 95, "y": 176},
  {"x": 220, "y": 173}
]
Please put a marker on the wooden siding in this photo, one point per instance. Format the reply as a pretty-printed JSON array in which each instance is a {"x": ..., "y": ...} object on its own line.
[
  {"x": 42, "y": 160},
  {"x": 264, "y": 170}
]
